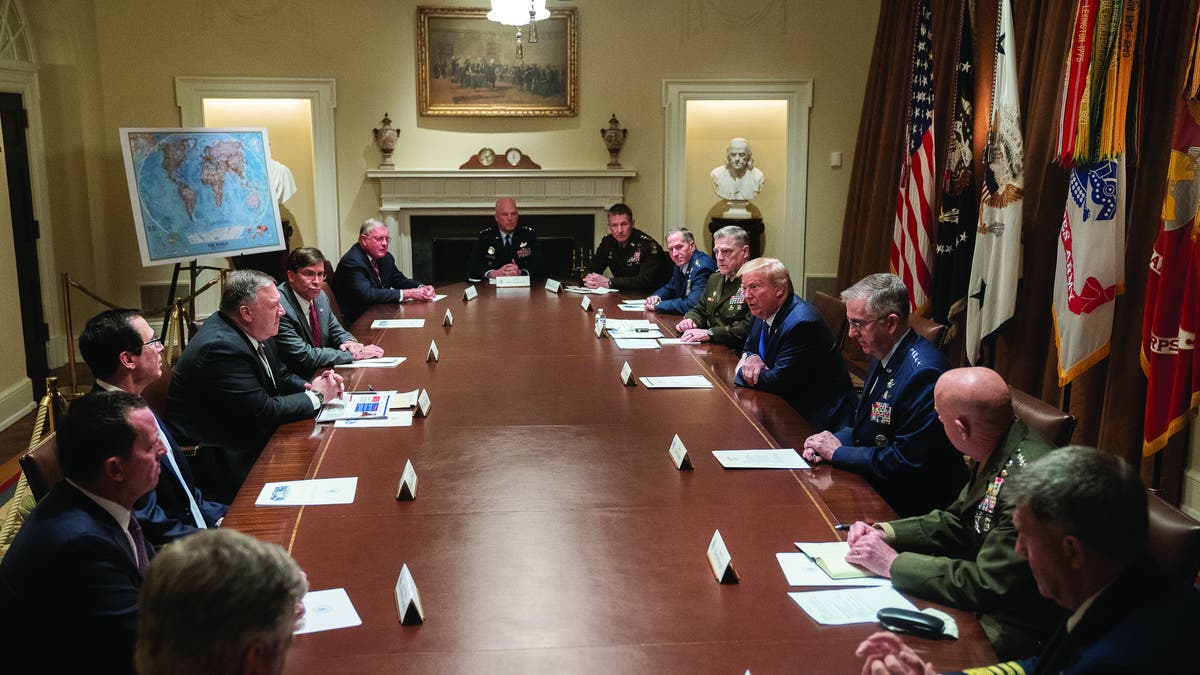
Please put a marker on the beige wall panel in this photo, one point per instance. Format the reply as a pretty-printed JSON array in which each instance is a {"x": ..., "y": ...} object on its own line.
[{"x": 132, "y": 49}]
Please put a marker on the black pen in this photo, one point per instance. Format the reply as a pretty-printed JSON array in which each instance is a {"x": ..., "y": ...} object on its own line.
[
  {"x": 370, "y": 388},
  {"x": 841, "y": 526}
]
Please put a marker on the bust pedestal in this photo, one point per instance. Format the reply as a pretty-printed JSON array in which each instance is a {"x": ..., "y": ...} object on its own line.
[{"x": 753, "y": 227}]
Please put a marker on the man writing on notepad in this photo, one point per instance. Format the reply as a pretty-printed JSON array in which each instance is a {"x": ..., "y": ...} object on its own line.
[{"x": 965, "y": 555}]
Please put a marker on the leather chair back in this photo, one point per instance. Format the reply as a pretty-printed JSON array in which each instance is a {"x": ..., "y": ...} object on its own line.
[
  {"x": 156, "y": 392},
  {"x": 1174, "y": 539},
  {"x": 1049, "y": 422},
  {"x": 936, "y": 333},
  {"x": 333, "y": 303},
  {"x": 833, "y": 313},
  {"x": 41, "y": 467}
]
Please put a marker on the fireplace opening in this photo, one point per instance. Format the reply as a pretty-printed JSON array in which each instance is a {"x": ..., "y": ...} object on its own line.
[{"x": 441, "y": 244}]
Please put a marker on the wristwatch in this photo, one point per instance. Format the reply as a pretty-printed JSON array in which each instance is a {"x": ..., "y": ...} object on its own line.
[
  {"x": 709, "y": 333},
  {"x": 320, "y": 397}
]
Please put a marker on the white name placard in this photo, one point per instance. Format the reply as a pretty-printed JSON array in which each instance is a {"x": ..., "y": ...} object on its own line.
[
  {"x": 518, "y": 281},
  {"x": 448, "y": 319},
  {"x": 407, "y": 489},
  {"x": 586, "y": 304},
  {"x": 554, "y": 286},
  {"x": 432, "y": 355},
  {"x": 423, "y": 404},
  {"x": 627, "y": 375},
  {"x": 470, "y": 294},
  {"x": 679, "y": 454},
  {"x": 408, "y": 601},
  {"x": 720, "y": 561},
  {"x": 599, "y": 329}
]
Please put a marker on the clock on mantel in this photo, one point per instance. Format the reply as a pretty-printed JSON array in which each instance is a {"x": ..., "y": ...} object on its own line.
[{"x": 487, "y": 158}]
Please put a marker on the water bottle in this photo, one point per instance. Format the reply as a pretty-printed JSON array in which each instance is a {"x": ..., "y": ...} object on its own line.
[{"x": 599, "y": 319}]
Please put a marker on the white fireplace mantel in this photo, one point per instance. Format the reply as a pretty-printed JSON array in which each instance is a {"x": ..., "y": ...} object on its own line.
[{"x": 405, "y": 192}]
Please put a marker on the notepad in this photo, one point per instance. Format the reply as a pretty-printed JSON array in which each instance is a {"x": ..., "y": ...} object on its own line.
[
  {"x": 831, "y": 557},
  {"x": 634, "y": 343},
  {"x": 327, "y": 610},
  {"x": 677, "y": 382}
]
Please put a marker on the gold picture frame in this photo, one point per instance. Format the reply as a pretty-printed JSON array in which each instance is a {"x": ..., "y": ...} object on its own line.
[{"x": 467, "y": 65}]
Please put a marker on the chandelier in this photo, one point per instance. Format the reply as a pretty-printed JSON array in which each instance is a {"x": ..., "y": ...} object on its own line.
[{"x": 519, "y": 13}]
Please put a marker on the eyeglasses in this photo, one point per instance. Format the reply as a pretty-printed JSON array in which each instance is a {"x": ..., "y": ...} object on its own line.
[
  {"x": 157, "y": 339},
  {"x": 859, "y": 325}
]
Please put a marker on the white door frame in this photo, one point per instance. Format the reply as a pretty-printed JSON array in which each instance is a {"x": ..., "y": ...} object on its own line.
[
  {"x": 321, "y": 94},
  {"x": 798, "y": 94},
  {"x": 21, "y": 78}
]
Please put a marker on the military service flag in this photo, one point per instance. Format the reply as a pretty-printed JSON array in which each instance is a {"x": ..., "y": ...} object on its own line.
[{"x": 995, "y": 265}]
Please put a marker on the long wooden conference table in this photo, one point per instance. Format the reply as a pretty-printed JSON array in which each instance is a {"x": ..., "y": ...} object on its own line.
[{"x": 551, "y": 532}]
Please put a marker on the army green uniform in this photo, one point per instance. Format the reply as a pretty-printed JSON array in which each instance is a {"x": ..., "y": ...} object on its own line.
[
  {"x": 723, "y": 310},
  {"x": 639, "y": 265},
  {"x": 965, "y": 556}
]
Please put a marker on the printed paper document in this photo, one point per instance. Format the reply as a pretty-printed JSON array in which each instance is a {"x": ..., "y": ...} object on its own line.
[
  {"x": 849, "y": 605},
  {"x": 308, "y": 492},
  {"x": 774, "y": 458}
]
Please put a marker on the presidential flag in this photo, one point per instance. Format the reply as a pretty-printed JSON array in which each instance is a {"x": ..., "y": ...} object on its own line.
[
  {"x": 912, "y": 239},
  {"x": 995, "y": 265},
  {"x": 1173, "y": 292},
  {"x": 959, "y": 210}
]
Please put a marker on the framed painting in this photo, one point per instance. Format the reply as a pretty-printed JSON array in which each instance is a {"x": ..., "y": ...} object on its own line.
[{"x": 469, "y": 66}]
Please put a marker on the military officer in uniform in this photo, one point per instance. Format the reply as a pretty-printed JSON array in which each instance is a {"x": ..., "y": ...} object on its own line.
[
  {"x": 893, "y": 437},
  {"x": 506, "y": 250},
  {"x": 636, "y": 260},
  {"x": 966, "y": 555},
  {"x": 686, "y": 286},
  {"x": 721, "y": 316}
]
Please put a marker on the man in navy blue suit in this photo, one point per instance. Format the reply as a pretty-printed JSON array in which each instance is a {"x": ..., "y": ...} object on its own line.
[
  {"x": 124, "y": 354},
  {"x": 789, "y": 350},
  {"x": 686, "y": 286},
  {"x": 367, "y": 275},
  {"x": 69, "y": 584},
  {"x": 894, "y": 437},
  {"x": 1082, "y": 523}
]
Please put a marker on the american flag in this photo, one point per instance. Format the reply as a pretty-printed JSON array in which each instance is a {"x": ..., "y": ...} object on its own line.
[{"x": 912, "y": 249}]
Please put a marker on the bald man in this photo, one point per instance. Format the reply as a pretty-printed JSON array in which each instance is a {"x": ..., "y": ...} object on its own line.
[
  {"x": 505, "y": 249},
  {"x": 966, "y": 555}
]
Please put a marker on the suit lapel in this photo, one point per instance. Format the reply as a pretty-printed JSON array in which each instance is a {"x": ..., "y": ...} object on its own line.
[{"x": 301, "y": 316}]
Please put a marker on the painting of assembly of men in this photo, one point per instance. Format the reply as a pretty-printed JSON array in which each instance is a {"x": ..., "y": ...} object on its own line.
[{"x": 469, "y": 65}]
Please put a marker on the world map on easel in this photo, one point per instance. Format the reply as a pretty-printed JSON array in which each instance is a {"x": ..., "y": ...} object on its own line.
[{"x": 200, "y": 192}]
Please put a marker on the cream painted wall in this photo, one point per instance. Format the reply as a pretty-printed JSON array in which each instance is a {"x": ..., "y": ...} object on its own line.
[
  {"x": 289, "y": 130},
  {"x": 710, "y": 126},
  {"x": 95, "y": 81}
]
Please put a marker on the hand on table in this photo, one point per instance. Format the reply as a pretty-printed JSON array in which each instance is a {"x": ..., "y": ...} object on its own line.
[
  {"x": 329, "y": 384},
  {"x": 652, "y": 302},
  {"x": 360, "y": 351},
  {"x": 594, "y": 280},
  {"x": 509, "y": 270},
  {"x": 869, "y": 550},
  {"x": 886, "y": 654},
  {"x": 685, "y": 325},
  {"x": 820, "y": 447},
  {"x": 694, "y": 335},
  {"x": 419, "y": 294},
  {"x": 751, "y": 366}
]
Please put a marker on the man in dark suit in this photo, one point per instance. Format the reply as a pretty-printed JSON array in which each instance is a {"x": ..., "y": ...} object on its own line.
[
  {"x": 125, "y": 355},
  {"x": 367, "y": 275},
  {"x": 230, "y": 391},
  {"x": 69, "y": 584},
  {"x": 310, "y": 336},
  {"x": 688, "y": 279},
  {"x": 1081, "y": 523},
  {"x": 894, "y": 437},
  {"x": 506, "y": 250},
  {"x": 789, "y": 350}
]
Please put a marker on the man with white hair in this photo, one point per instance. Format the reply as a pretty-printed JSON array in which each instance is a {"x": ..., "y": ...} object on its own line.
[{"x": 367, "y": 275}]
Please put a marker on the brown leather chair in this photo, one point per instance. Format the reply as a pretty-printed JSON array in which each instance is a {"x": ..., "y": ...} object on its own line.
[
  {"x": 936, "y": 333},
  {"x": 1174, "y": 540},
  {"x": 41, "y": 467},
  {"x": 333, "y": 303},
  {"x": 1049, "y": 422},
  {"x": 155, "y": 393},
  {"x": 833, "y": 313}
]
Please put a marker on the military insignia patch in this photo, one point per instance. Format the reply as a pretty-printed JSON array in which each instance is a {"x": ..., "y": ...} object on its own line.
[
  {"x": 636, "y": 257},
  {"x": 881, "y": 412}
]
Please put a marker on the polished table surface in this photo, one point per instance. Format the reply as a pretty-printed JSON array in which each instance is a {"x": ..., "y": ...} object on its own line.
[{"x": 551, "y": 533}]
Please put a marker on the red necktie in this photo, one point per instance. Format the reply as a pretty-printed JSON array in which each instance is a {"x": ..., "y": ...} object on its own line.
[
  {"x": 316, "y": 327},
  {"x": 139, "y": 545},
  {"x": 378, "y": 276}
]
